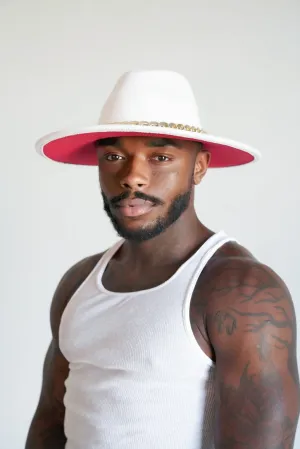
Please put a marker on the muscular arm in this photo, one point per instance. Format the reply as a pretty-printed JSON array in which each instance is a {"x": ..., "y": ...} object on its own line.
[
  {"x": 47, "y": 429},
  {"x": 252, "y": 327},
  {"x": 47, "y": 426}
]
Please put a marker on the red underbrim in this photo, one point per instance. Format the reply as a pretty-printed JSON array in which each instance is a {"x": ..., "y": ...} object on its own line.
[{"x": 79, "y": 149}]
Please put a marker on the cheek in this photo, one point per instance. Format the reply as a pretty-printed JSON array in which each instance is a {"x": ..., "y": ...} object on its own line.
[
  {"x": 169, "y": 185},
  {"x": 164, "y": 181},
  {"x": 107, "y": 181}
]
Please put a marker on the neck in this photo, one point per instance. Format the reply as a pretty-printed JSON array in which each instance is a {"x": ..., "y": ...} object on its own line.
[{"x": 172, "y": 246}]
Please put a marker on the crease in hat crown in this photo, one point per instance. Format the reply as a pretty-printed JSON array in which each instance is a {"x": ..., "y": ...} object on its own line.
[{"x": 157, "y": 97}]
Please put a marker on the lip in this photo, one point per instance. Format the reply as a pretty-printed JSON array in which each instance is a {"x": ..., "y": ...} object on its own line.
[{"x": 134, "y": 207}]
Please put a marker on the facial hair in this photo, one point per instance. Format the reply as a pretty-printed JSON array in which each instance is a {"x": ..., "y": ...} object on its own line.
[{"x": 147, "y": 232}]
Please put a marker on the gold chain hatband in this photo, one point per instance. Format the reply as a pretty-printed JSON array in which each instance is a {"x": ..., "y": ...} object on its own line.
[{"x": 162, "y": 125}]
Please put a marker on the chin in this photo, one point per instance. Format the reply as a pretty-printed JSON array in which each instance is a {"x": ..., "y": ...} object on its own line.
[
  {"x": 135, "y": 223},
  {"x": 138, "y": 229},
  {"x": 149, "y": 218}
]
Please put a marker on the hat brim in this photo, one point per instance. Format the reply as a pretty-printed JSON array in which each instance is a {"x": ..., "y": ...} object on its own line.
[{"x": 78, "y": 146}]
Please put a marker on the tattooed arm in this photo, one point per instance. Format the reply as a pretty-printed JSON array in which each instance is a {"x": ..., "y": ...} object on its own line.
[
  {"x": 47, "y": 426},
  {"x": 252, "y": 328}
]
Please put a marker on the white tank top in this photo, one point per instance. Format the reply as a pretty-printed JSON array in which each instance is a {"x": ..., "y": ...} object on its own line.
[{"x": 138, "y": 379}]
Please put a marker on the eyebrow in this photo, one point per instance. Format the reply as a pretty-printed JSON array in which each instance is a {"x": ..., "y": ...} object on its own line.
[
  {"x": 152, "y": 142},
  {"x": 108, "y": 142},
  {"x": 160, "y": 141}
]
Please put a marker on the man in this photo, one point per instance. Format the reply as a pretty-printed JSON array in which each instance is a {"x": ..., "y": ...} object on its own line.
[{"x": 176, "y": 337}]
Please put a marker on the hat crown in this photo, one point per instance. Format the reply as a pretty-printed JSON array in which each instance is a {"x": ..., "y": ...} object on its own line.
[{"x": 151, "y": 96}]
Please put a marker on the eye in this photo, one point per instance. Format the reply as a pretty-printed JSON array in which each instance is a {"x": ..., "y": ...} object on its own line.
[
  {"x": 161, "y": 158},
  {"x": 112, "y": 157}
]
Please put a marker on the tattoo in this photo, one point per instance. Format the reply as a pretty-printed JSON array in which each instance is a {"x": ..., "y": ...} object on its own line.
[
  {"x": 250, "y": 416},
  {"x": 262, "y": 320},
  {"x": 250, "y": 320},
  {"x": 225, "y": 321},
  {"x": 262, "y": 306}
]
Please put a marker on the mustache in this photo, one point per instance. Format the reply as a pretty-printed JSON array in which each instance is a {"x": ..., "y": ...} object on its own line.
[{"x": 140, "y": 195}]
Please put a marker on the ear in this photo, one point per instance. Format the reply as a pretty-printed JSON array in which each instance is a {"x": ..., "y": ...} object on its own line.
[{"x": 201, "y": 166}]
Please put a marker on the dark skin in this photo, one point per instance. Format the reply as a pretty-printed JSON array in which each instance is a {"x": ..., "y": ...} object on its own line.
[
  {"x": 241, "y": 312},
  {"x": 47, "y": 426}
]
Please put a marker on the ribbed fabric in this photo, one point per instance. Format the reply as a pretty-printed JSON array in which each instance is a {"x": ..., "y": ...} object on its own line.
[{"x": 138, "y": 379}]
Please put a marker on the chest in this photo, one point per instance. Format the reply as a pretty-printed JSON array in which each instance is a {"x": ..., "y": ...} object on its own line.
[
  {"x": 122, "y": 279},
  {"x": 125, "y": 278},
  {"x": 127, "y": 333},
  {"x": 148, "y": 322}
]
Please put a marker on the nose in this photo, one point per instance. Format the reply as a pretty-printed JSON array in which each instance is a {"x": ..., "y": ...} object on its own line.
[{"x": 135, "y": 175}]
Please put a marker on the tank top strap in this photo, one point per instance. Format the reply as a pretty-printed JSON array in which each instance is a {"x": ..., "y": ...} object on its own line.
[
  {"x": 107, "y": 256},
  {"x": 206, "y": 252}
]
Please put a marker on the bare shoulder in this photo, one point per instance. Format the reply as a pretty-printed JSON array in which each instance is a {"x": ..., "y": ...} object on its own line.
[
  {"x": 68, "y": 285},
  {"x": 245, "y": 304},
  {"x": 248, "y": 315},
  {"x": 237, "y": 295},
  {"x": 235, "y": 278},
  {"x": 235, "y": 275},
  {"x": 220, "y": 269}
]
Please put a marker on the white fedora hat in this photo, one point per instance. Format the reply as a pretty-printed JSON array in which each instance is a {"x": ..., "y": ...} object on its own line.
[{"x": 147, "y": 103}]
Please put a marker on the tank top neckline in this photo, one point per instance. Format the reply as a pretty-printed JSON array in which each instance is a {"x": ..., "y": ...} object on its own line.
[{"x": 104, "y": 261}]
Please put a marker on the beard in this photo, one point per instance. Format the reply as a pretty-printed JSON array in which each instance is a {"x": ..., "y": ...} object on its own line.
[{"x": 149, "y": 231}]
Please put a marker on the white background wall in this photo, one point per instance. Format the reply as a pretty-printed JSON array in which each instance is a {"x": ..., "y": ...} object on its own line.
[{"x": 58, "y": 61}]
